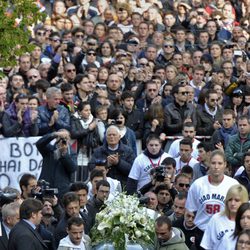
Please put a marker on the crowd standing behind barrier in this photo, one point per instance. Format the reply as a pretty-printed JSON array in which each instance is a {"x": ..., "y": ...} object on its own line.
[{"x": 153, "y": 72}]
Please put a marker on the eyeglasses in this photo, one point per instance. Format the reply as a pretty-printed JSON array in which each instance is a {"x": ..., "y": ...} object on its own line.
[
  {"x": 91, "y": 54},
  {"x": 183, "y": 93},
  {"x": 56, "y": 40},
  {"x": 214, "y": 100},
  {"x": 41, "y": 33},
  {"x": 71, "y": 70},
  {"x": 184, "y": 184},
  {"x": 91, "y": 44},
  {"x": 30, "y": 77},
  {"x": 168, "y": 46},
  {"x": 79, "y": 36},
  {"x": 242, "y": 242}
]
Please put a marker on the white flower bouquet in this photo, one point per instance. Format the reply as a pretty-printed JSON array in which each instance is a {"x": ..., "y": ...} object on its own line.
[{"x": 123, "y": 221}]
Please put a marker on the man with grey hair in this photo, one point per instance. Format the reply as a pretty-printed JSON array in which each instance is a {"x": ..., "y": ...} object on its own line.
[
  {"x": 52, "y": 116},
  {"x": 119, "y": 157},
  {"x": 10, "y": 217}
]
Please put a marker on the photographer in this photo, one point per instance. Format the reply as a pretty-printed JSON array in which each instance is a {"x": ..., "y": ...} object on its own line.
[
  {"x": 151, "y": 158},
  {"x": 27, "y": 183},
  {"x": 59, "y": 160}
]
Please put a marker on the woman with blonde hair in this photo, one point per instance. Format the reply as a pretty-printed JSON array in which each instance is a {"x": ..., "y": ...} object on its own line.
[{"x": 221, "y": 226}]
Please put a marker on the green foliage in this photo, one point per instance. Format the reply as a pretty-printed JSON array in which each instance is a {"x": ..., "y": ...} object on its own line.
[{"x": 17, "y": 18}]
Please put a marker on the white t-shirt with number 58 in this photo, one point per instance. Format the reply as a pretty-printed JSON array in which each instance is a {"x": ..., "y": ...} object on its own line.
[{"x": 207, "y": 199}]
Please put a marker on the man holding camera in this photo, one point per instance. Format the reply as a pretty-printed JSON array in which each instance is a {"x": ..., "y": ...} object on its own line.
[{"x": 59, "y": 160}]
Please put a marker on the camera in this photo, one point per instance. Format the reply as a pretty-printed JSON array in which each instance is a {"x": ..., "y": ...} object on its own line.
[
  {"x": 143, "y": 200},
  {"x": 160, "y": 173},
  {"x": 45, "y": 192},
  {"x": 6, "y": 198},
  {"x": 64, "y": 141},
  {"x": 70, "y": 46}
]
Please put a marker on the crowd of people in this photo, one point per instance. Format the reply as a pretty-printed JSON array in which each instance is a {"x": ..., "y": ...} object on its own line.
[{"x": 147, "y": 97}]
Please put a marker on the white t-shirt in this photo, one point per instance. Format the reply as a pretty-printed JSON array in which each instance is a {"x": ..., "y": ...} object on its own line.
[
  {"x": 174, "y": 149},
  {"x": 142, "y": 166},
  {"x": 207, "y": 199},
  {"x": 216, "y": 230},
  {"x": 180, "y": 164}
]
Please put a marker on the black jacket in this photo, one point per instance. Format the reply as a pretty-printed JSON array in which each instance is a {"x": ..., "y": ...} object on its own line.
[
  {"x": 3, "y": 238},
  {"x": 23, "y": 236},
  {"x": 205, "y": 121},
  {"x": 56, "y": 171},
  {"x": 122, "y": 169},
  {"x": 174, "y": 116}
]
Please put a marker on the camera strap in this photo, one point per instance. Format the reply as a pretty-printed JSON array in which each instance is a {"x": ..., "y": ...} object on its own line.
[{"x": 155, "y": 165}]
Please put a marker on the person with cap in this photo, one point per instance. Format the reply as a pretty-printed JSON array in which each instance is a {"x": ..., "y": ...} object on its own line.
[
  {"x": 236, "y": 102},
  {"x": 182, "y": 13}
]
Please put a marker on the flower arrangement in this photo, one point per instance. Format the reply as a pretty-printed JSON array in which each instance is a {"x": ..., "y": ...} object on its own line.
[{"x": 122, "y": 221}]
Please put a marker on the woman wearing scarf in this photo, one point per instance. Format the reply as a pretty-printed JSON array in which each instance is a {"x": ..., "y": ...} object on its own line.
[
  {"x": 151, "y": 158},
  {"x": 84, "y": 129}
]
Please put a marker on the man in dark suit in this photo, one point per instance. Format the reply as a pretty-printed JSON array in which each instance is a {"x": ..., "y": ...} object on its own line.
[
  {"x": 10, "y": 216},
  {"x": 24, "y": 234}
]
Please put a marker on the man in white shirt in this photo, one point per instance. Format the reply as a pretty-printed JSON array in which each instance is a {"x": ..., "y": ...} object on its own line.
[
  {"x": 76, "y": 239},
  {"x": 188, "y": 131},
  {"x": 185, "y": 157}
]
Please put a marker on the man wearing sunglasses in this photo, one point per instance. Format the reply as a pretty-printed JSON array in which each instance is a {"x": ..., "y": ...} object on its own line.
[
  {"x": 209, "y": 117},
  {"x": 167, "y": 52},
  {"x": 182, "y": 183},
  {"x": 178, "y": 112}
]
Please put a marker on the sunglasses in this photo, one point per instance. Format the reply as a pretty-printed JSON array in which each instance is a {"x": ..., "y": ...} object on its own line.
[
  {"x": 56, "y": 40},
  {"x": 184, "y": 184},
  {"x": 71, "y": 70},
  {"x": 183, "y": 93},
  {"x": 214, "y": 100},
  {"x": 91, "y": 44},
  {"x": 217, "y": 19},
  {"x": 41, "y": 33},
  {"x": 168, "y": 46},
  {"x": 152, "y": 90},
  {"x": 91, "y": 54},
  {"x": 79, "y": 36}
]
